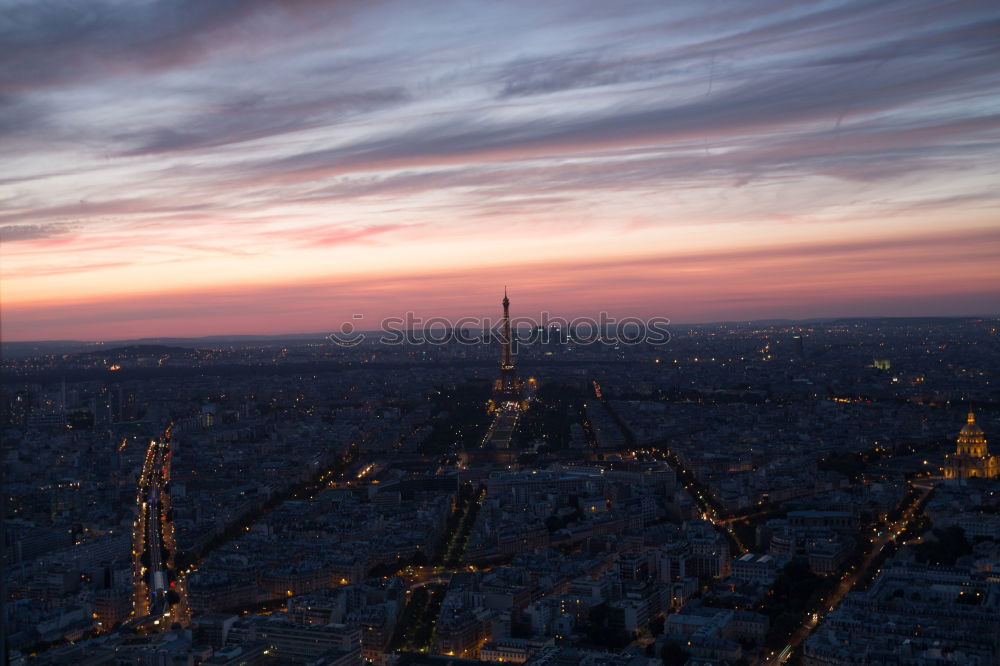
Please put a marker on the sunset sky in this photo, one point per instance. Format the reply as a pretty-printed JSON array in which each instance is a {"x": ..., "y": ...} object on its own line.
[{"x": 194, "y": 167}]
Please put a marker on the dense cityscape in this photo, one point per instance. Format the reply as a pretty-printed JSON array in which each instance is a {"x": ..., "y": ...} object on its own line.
[
  {"x": 465, "y": 333},
  {"x": 749, "y": 493}
]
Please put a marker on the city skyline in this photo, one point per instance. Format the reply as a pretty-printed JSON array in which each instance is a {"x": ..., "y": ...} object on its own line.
[
  {"x": 255, "y": 168},
  {"x": 754, "y": 495}
]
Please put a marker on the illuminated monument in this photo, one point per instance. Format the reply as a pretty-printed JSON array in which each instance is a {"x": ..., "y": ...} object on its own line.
[
  {"x": 971, "y": 458},
  {"x": 507, "y": 387}
]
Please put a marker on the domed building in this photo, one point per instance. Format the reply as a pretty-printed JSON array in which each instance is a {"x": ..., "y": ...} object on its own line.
[{"x": 971, "y": 458}]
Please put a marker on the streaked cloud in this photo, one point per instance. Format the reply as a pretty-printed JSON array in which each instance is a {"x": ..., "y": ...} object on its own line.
[
  {"x": 372, "y": 146},
  {"x": 23, "y": 232}
]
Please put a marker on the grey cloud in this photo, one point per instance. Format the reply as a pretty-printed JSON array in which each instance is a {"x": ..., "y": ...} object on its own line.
[
  {"x": 246, "y": 118},
  {"x": 17, "y": 115},
  {"x": 22, "y": 232},
  {"x": 587, "y": 69},
  {"x": 975, "y": 39},
  {"x": 800, "y": 106},
  {"x": 868, "y": 152},
  {"x": 851, "y": 33},
  {"x": 44, "y": 42},
  {"x": 533, "y": 76},
  {"x": 90, "y": 209},
  {"x": 773, "y": 103}
]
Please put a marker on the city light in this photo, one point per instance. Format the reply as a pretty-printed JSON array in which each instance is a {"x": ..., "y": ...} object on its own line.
[{"x": 553, "y": 333}]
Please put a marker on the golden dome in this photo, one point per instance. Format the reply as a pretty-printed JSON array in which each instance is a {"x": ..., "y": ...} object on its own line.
[{"x": 971, "y": 427}]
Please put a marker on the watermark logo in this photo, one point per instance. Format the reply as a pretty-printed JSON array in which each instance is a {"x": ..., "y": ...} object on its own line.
[
  {"x": 348, "y": 335},
  {"x": 546, "y": 330}
]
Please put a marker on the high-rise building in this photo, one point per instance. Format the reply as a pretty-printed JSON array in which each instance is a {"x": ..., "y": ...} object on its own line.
[
  {"x": 799, "y": 348},
  {"x": 971, "y": 458}
]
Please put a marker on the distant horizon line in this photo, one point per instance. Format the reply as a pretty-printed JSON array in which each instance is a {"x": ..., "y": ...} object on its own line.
[{"x": 324, "y": 335}]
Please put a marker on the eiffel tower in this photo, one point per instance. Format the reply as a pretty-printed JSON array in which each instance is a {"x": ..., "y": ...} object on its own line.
[{"x": 507, "y": 387}]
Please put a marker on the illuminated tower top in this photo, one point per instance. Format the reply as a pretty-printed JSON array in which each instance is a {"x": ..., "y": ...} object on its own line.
[{"x": 506, "y": 358}]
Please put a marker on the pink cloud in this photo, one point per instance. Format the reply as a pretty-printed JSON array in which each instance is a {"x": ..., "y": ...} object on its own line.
[{"x": 951, "y": 273}]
